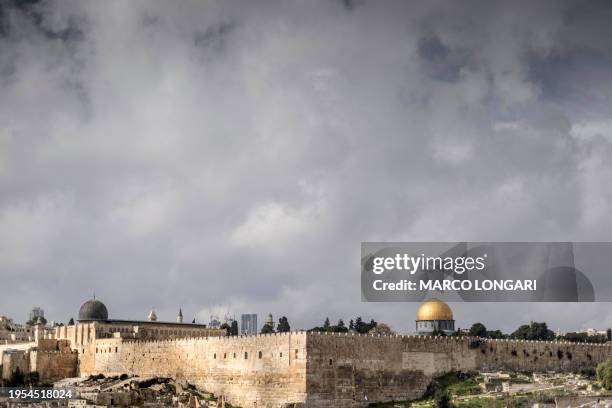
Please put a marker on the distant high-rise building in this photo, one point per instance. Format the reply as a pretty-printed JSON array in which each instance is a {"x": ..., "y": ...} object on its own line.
[
  {"x": 35, "y": 313},
  {"x": 248, "y": 324}
]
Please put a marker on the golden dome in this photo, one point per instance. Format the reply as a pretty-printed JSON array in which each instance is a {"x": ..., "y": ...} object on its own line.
[{"x": 434, "y": 309}]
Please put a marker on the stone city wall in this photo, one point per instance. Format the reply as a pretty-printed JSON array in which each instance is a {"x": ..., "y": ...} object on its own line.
[
  {"x": 353, "y": 370},
  {"x": 52, "y": 359},
  {"x": 263, "y": 371},
  {"x": 13, "y": 360},
  {"x": 539, "y": 356},
  {"x": 53, "y": 345},
  {"x": 325, "y": 369},
  {"x": 53, "y": 365},
  {"x": 349, "y": 370}
]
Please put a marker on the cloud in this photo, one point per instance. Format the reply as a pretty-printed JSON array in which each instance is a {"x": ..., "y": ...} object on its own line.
[
  {"x": 271, "y": 224},
  {"x": 592, "y": 129},
  {"x": 228, "y": 153}
]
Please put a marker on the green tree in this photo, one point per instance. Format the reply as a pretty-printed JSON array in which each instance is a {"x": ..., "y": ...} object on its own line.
[
  {"x": 227, "y": 329},
  {"x": 478, "y": 330},
  {"x": 533, "y": 331},
  {"x": 327, "y": 327},
  {"x": 584, "y": 338},
  {"x": 362, "y": 327},
  {"x": 234, "y": 328},
  {"x": 496, "y": 334},
  {"x": 351, "y": 325},
  {"x": 372, "y": 324},
  {"x": 382, "y": 329},
  {"x": 358, "y": 324},
  {"x": 604, "y": 374},
  {"x": 339, "y": 328},
  {"x": 283, "y": 325},
  {"x": 267, "y": 329}
]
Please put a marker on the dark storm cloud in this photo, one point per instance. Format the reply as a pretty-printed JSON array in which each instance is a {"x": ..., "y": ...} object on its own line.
[{"x": 204, "y": 154}]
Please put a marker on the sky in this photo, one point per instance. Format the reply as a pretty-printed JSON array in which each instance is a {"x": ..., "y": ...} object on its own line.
[{"x": 231, "y": 156}]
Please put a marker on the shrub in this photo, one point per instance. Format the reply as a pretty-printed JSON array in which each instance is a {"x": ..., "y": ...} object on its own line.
[
  {"x": 588, "y": 372},
  {"x": 474, "y": 344},
  {"x": 16, "y": 379},
  {"x": 32, "y": 378},
  {"x": 442, "y": 399},
  {"x": 604, "y": 374}
]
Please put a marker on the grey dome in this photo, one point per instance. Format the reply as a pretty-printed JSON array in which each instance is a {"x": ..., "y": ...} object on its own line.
[{"x": 93, "y": 310}]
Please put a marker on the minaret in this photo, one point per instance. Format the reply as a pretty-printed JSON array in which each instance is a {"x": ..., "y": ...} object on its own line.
[{"x": 179, "y": 318}]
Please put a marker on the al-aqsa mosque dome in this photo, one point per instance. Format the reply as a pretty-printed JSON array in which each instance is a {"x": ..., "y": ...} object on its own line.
[
  {"x": 434, "y": 315},
  {"x": 93, "y": 310}
]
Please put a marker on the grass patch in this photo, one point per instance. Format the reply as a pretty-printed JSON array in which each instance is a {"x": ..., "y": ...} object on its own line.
[
  {"x": 467, "y": 387},
  {"x": 457, "y": 383}
]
